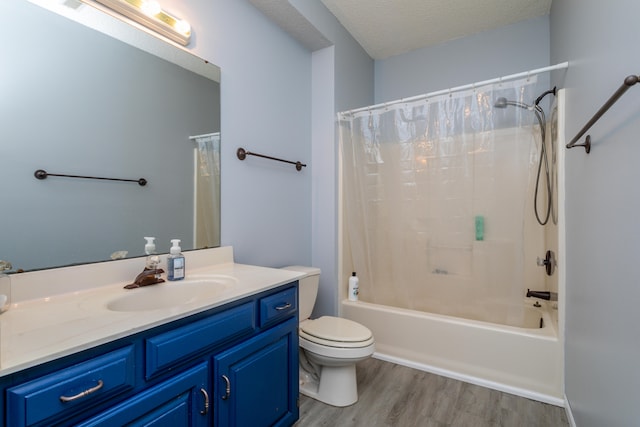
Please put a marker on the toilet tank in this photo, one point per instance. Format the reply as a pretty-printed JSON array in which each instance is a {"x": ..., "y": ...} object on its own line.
[{"x": 308, "y": 289}]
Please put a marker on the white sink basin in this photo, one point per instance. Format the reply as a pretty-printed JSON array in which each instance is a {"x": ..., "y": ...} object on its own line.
[{"x": 171, "y": 294}]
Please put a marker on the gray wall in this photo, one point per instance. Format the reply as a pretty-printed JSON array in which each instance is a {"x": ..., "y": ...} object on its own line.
[
  {"x": 511, "y": 49},
  {"x": 342, "y": 78},
  {"x": 266, "y": 108},
  {"x": 602, "y": 346}
]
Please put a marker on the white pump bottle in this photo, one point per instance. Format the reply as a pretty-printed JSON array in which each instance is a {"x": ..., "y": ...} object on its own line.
[{"x": 175, "y": 261}]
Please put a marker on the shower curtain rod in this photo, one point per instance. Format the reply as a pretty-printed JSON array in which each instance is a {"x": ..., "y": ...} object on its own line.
[{"x": 560, "y": 66}]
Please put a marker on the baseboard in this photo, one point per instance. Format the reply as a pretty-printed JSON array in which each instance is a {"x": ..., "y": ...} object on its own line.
[
  {"x": 541, "y": 397},
  {"x": 567, "y": 409}
]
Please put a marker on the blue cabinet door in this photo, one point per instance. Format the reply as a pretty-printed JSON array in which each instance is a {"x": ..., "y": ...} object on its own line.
[
  {"x": 180, "y": 401},
  {"x": 256, "y": 382}
]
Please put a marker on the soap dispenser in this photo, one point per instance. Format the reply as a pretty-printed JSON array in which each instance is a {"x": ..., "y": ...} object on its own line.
[
  {"x": 153, "y": 260},
  {"x": 175, "y": 261}
]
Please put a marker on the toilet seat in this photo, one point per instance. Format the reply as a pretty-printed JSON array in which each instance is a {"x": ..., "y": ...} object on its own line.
[{"x": 336, "y": 332}]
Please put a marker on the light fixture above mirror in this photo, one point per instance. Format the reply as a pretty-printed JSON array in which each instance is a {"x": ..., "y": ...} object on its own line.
[{"x": 150, "y": 14}]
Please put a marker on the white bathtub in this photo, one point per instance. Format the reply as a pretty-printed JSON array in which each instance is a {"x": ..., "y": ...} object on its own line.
[{"x": 526, "y": 361}]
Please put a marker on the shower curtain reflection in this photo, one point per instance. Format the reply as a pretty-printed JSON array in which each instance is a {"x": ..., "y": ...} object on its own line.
[
  {"x": 418, "y": 176},
  {"x": 207, "y": 193}
]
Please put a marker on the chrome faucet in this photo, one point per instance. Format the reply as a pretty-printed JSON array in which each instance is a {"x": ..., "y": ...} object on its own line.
[{"x": 146, "y": 278}]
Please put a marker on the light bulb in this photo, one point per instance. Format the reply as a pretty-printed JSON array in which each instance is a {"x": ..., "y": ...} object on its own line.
[
  {"x": 150, "y": 7},
  {"x": 182, "y": 26}
]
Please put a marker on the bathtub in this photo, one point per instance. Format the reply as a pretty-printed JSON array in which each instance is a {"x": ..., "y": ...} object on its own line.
[{"x": 524, "y": 360}]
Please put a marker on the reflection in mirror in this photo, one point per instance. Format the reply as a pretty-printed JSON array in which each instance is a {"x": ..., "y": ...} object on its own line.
[{"x": 76, "y": 101}]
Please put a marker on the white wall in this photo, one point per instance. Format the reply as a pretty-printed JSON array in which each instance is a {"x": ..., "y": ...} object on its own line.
[
  {"x": 511, "y": 49},
  {"x": 602, "y": 347}
]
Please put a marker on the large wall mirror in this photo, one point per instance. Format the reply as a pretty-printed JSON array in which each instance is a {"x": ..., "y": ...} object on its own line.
[{"x": 76, "y": 101}]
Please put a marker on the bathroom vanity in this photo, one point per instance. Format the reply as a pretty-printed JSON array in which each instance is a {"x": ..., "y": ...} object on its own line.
[{"x": 219, "y": 348}]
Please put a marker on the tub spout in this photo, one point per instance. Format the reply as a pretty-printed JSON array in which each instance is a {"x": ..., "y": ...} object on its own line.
[{"x": 549, "y": 296}]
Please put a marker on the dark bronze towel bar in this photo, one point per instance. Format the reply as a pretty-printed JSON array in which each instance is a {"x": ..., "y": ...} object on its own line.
[
  {"x": 242, "y": 154},
  {"x": 42, "y": 174},
  {"x": 628, "y": 82}
]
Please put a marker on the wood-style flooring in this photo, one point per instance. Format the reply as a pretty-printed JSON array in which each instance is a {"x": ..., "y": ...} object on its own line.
[{"x": 394, "y": 395}]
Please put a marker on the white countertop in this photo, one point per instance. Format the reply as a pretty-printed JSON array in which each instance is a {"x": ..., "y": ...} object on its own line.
[{"x": 42, "y": 329}]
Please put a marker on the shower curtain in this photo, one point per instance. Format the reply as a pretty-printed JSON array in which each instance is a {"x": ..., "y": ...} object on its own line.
[
  {"x": 437, "y": 200},
  {"x": 207, "y": 230}
]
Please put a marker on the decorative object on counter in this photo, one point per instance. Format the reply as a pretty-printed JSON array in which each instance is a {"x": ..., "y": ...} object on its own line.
[
  {"x": 146, "y": 278},
  {"x": 43, "y": 174},
  {"x": 175, "y": 261},
  {"x": 119, "y": 255},
  {"x": 242, "y": 154},
  {"x": 151, "y": 274},
  {"x": 150, "y": 14},
  {"x": 628, "y": 82}
]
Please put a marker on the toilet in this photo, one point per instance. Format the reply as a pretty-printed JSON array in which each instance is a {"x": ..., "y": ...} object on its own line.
[{"x": 330, "y": 347}]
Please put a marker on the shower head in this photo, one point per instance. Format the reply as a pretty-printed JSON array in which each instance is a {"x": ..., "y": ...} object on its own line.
[{"x": 503, "y": 102}]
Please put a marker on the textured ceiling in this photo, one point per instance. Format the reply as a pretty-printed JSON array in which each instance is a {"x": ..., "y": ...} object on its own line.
[{"x": 390, "y": 27}]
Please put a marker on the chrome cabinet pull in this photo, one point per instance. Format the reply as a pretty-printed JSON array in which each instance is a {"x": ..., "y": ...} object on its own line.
[
  {"x": 228, "y": 387},
  {"x": 82, "y": 393},
  {"x": 283, "y": 307},
  {"x": 206, "y": 401}
]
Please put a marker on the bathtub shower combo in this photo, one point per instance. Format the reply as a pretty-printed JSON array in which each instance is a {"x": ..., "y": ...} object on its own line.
[{"x": 449, "y": 204}]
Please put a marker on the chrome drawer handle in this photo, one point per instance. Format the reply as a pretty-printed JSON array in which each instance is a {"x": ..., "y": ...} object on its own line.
[
  {"x": 83, "y": 393},
  {"x": 228, "y": 387},
  {"x": 206, "y": 401},
  {"x": 283, "y": 307}
]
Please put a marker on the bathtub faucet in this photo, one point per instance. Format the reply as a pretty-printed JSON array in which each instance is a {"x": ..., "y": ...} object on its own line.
[{"x": 549, "y": 296}]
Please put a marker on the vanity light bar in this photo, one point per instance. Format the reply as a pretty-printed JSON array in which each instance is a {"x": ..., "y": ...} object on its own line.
[{"x": 151, "y": 15}]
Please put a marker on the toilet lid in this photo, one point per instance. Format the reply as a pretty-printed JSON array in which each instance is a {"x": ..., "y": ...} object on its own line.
[{"x": 336, "y": 329}]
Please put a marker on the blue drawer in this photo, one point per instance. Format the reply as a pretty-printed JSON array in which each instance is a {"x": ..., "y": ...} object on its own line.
[
  {"x": 72, "y": 389},
  {"x": 279, "y": 306},
  {"x": 164, "y": 350}
]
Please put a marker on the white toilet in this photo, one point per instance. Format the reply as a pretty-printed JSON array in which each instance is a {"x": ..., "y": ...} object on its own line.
[{"x": 330, "y": 347}]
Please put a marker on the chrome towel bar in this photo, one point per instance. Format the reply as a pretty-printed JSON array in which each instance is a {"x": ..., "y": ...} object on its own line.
[{"x": 628, "y": 82}]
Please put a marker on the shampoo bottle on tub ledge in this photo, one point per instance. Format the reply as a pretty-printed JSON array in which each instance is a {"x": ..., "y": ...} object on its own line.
[{"x": 353, "y": 287}]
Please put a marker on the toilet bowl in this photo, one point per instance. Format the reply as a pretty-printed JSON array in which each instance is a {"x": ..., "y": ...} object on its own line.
[{"x": 330, "y": 347}]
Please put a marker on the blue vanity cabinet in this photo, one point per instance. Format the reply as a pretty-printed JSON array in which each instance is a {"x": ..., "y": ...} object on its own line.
[
  {"x": 71, "y": 390},
  {"x": 256, "y": 382},
  {"x": 173, "y": 374},
  {"x": 182, "y": 400}
]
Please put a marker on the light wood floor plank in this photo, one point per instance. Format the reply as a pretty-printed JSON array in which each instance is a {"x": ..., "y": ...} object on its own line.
[{"x": 397, "y": 396}]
